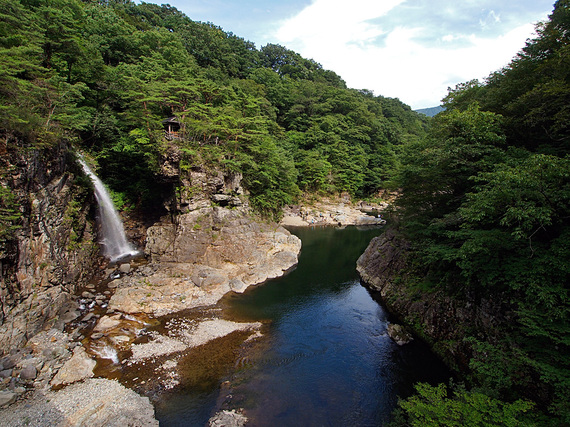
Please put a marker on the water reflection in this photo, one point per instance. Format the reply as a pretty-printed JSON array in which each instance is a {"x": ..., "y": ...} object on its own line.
[{"x": 325, "y": 358}]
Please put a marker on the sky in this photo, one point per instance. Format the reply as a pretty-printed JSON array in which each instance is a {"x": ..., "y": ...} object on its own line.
[{"x": 413, "y": 50}]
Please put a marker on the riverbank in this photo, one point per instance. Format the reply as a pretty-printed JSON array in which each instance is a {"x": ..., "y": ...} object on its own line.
[
  {"x": 438, "y": 318},
  {"x": 143, "y": 317},
  {"x": 323, "y": 334},
  {"x": 334, "y": 212}
]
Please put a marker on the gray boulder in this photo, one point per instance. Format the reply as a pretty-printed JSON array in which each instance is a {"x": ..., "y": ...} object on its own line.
[
  {"x": 7, "y": 397},
  {"x": 29, "y": 372},
  {"x": 399, "y": 334}
]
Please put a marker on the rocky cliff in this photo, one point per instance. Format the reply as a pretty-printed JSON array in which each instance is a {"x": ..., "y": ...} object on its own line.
[
  {"x": 205, "y": 254},
  {"x": 441, "y": 320},
  {"x": 207, "y": 244},
  {"x": 52, "y": 251}
]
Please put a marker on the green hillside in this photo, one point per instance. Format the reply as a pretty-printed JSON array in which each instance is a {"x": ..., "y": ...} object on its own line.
[
  {"x": 430, "y": 112},
  {"x": 485, "y": 204},
  {"x": 105, "y": 74}
]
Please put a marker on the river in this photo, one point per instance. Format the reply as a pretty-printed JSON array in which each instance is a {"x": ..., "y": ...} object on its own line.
[{"x": 325, "y": 357}]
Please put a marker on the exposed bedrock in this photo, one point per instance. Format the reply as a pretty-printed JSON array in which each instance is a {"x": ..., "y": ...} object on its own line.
[
  {"x": 52, "y": 252},
  {"x": 207, "y": 253},
  {"x": 441, "y": 320}
]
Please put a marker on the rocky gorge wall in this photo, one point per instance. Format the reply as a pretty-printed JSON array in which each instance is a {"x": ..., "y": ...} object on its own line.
[
  {"x": 441, "y": 320},
  {"x": 53, "y": 250},
  {"x": 207, "y": 244}
]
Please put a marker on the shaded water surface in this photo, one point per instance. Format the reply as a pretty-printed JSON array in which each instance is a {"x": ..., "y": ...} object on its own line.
[{"x": 325, "y": 358}]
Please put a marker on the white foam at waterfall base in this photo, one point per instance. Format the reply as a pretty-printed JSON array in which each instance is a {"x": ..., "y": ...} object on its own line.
[
  {"x": 113, "y": 238},
  {"x": 105, "y": 351}
]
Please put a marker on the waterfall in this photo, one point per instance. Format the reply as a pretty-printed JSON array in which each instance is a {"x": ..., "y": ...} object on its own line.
[{"x": 113, "y": 238}]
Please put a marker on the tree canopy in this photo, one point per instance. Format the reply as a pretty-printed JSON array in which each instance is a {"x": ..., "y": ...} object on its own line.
[
  {"x": 106, "y": 73},
  {"x": 486, "y": 202}
]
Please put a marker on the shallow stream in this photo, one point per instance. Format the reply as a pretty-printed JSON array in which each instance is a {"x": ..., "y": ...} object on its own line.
[{"x": 324, "y": 358}]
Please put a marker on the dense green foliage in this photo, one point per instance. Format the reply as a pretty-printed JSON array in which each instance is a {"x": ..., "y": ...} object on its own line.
[
  {"x": 9, "y": 216},
  {"x": 432, "y": 406},
  {"x": 106, "y": 73},
  {"x": 486, "y": 205}
]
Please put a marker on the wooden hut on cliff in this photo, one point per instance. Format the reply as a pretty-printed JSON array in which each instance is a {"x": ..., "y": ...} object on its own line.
[{"x": 171, "y": 128}]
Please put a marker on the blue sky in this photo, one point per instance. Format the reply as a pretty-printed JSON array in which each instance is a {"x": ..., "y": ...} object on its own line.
[{"x": 407, "y": 49}]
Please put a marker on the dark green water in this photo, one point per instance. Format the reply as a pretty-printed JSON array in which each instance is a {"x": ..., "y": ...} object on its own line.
[{"x": 325, "y": 359}]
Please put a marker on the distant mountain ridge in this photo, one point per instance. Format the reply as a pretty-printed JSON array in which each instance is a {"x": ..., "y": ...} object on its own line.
[{"x": 432, "y": 111}]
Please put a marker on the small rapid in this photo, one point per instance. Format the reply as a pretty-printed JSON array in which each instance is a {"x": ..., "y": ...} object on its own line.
[
  {"x": 105, "y": 351},
  {"x": 115, "y": 245}
]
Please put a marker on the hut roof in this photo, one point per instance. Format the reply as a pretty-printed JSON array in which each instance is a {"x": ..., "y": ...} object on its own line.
[{"x": 172, "y": 119}]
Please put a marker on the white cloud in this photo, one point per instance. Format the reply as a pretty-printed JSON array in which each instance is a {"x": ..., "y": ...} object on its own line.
[
  {"x": 336, "y": 21},
  {"x": 420, "y": 75},
  {"x": 341, "y": 36}
]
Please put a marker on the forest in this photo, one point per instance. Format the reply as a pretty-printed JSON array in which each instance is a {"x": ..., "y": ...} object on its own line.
[
  {"x": 484, "y": 187},
  {"x": 485, "y": 201},
  {"x": 105, "y": 74}
]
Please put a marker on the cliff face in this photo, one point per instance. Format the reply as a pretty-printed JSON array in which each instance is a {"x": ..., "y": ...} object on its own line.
[
  {"x": 208, "y": 236},
  {"x": 209, "y": 245},
  {"x": 53, "y": 250},
  {"x": 443, "y": 321}
]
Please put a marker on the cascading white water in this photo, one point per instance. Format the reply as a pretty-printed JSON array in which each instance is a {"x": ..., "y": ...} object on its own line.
[
  {"x": 113, "y": 238},
  {"x": 105, "y": 351}
]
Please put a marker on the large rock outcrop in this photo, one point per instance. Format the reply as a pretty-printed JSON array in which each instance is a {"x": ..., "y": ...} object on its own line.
[
  {"x": 52, "y": 252},
  {"x": 207, "y": 253},
  {"x": 442, "y": 320},
  {"x": 336, "y": 212}
]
